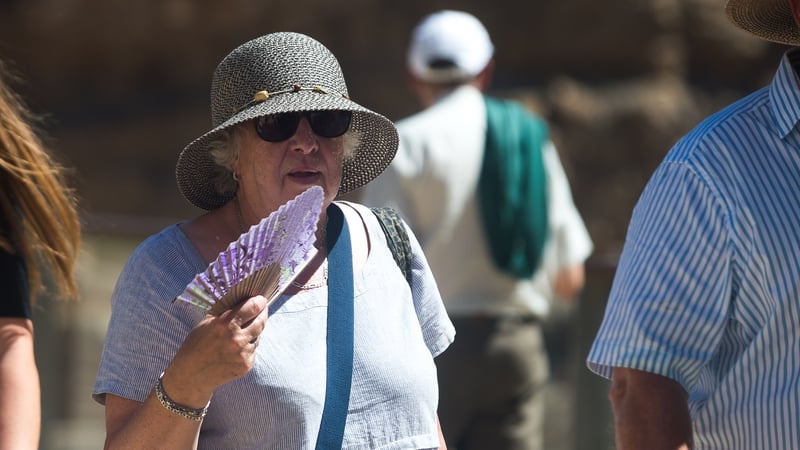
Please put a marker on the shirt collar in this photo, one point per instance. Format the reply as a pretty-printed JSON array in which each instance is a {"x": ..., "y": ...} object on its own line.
[{"x": 784, "y": 93}]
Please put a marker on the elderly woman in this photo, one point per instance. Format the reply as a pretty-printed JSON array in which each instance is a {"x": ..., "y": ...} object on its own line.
[{"x": 172, "y": 377}]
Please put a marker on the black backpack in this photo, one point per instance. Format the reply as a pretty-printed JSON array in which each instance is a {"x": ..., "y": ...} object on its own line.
[{"x": 396, "y": 237}]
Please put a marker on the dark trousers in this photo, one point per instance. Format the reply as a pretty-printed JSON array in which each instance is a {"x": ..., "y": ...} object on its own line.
[{"x": 491, "y": 383}]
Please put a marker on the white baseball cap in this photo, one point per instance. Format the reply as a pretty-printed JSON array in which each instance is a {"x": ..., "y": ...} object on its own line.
[{"x": 455, "y": 37}]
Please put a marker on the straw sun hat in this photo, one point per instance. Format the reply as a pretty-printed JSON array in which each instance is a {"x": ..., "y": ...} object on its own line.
[
  {"x": 273, "y": 74},
  {"x": 768, "y": 19}
]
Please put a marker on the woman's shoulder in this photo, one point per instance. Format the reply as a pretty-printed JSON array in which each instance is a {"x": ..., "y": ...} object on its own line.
[
  {"x": 168, "y": 247},
  {"x": 158, "y": 269},
  {"x": 165, "y": 240}
]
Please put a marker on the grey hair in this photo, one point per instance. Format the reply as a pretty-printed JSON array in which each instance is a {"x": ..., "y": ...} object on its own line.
[
  {"x": 350, "y": 142},
  {"x": 224, "y": 151}
]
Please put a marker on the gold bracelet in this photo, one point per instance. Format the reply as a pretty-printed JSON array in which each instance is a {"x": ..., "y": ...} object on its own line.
[{"x": 190, "y": 413}]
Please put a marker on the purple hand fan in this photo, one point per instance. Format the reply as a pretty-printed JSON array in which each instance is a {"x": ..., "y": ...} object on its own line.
[{"x": 262, "y": 261}]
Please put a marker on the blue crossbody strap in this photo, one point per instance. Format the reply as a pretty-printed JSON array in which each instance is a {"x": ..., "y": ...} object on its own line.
[{"x": 340, "y": 332}]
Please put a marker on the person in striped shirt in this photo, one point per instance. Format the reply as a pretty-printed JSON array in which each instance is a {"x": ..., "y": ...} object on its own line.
[{"x": 701, "y": 335}]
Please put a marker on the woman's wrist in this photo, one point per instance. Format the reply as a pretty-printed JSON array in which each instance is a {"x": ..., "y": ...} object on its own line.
[{"x": 188, "y": 412}]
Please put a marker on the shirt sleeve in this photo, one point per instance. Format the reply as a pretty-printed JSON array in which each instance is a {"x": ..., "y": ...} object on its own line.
[
  {"x": 437, "y": 329},
  {"x": 671, "y": 294},
  {"x": 146, "y": 327}
]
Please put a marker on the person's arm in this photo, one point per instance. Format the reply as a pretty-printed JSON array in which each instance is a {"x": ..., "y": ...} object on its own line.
[
  {"x": 442, "y": 443},
  {"x": 20, "y": 414},
  {"x": 218, "y": 350},
  {"x": 650, "y": 411},
  {"x": 569, "y": 282}
]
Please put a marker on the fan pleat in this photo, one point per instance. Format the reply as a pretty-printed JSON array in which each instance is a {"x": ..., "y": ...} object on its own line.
[{"x": 263, "y": 260}]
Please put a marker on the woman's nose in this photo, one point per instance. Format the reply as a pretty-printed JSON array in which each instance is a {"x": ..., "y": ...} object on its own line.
[{"x": 304, "y": 139}]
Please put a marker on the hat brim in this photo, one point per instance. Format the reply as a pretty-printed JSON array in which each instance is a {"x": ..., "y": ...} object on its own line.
[
  {"x": 377, "y": 145},
  {"x": 771, "y": 20}
]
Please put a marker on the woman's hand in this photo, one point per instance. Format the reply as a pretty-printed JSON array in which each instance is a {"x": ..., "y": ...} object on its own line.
[{"x": 218, "y": 350}]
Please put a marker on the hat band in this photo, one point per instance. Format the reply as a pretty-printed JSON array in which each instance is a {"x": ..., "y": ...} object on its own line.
[{"x": 262, "y": 96}]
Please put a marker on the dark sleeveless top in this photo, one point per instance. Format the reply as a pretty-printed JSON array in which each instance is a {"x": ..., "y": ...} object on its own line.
[{"x": 14, "y": 301}]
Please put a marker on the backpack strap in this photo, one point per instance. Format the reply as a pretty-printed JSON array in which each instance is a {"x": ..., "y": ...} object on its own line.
[{"x": 396, "y": 237}]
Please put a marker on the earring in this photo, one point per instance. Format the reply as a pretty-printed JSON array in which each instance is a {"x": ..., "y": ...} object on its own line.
[{"x": 235, "y": 177}]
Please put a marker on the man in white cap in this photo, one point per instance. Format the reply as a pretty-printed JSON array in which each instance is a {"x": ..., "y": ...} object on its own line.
[
  {"x": 481, "y": 184},
  {"x": 701, "y": 336}
]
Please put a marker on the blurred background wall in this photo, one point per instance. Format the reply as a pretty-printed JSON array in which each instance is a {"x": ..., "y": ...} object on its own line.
[{"x": 124, "y": 85}]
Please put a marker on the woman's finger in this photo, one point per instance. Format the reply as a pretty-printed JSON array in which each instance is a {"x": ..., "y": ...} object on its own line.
[{"x": 248, "y": 310}]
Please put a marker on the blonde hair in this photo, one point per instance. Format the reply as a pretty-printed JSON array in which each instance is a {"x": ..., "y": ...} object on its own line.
[{"x": 37, "y": 210}]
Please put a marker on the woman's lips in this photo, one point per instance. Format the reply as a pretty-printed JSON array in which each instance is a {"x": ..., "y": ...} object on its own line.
[{"x": 304, "y": 175}]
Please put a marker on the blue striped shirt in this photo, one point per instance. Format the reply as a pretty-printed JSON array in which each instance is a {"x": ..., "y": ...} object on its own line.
[{"x": 707, "y": 291}]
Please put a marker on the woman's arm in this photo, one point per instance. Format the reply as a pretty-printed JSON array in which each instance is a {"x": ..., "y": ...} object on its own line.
[
  {"x": 20, "y": 414},
  {"x": 126, "y": 419},
  {"x": 218, "y": 350}
]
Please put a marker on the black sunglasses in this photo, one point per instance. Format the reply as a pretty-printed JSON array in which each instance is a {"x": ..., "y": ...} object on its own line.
[{"x": 280, "y": 127}]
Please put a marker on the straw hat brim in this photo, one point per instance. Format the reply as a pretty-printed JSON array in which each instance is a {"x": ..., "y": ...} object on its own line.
[
  {"x": 377, "y": 146},
  {"x": 768, "y": 19}
]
